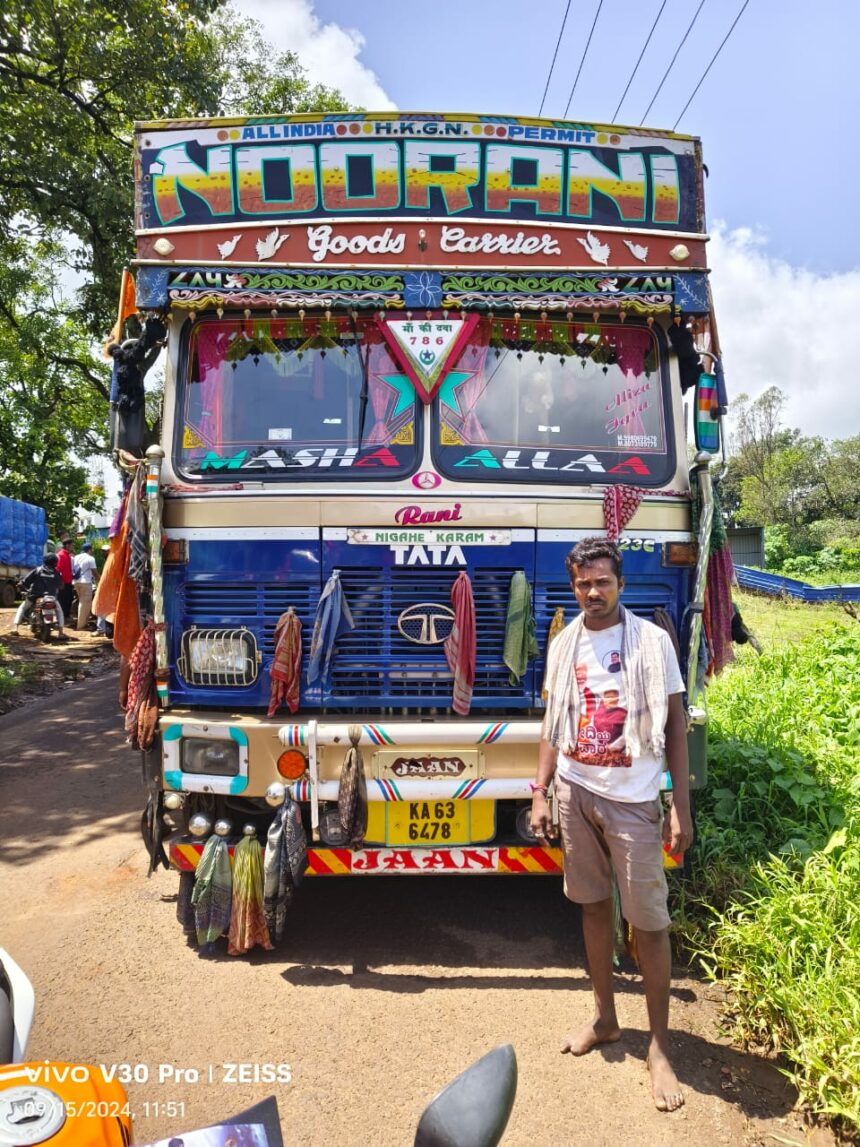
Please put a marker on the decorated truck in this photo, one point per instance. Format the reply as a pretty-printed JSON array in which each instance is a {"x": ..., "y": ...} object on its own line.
[{"x": 411, "y": 359}]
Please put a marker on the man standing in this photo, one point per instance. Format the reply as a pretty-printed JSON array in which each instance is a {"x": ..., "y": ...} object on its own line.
[
  {"x": 85, "y": 583},
  {"x": 65, "y": 558},
  {"x": 610, "y": 812}
]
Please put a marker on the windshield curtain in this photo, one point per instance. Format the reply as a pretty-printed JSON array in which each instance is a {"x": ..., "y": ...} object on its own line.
[
  {"x": 257, "y": 398},
  {"x": 587, "y": 406}
]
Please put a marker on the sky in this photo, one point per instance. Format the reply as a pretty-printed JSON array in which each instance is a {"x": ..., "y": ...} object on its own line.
[{"x": 776, "y": 115}]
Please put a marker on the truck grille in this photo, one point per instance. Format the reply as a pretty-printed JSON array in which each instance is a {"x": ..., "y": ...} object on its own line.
[
  {"x": 375, "y": 662},
  {"x": 257, "y": 606}
]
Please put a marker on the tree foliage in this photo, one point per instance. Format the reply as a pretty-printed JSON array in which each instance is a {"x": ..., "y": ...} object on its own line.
[
  {"x": 778, "y": 477},
  {"x": 74, "y": 76}
]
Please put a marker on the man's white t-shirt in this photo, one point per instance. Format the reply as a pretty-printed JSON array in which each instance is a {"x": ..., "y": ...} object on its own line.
[
  {"x": 86, "y": 564},
  {"x": 595, "y": 756}
]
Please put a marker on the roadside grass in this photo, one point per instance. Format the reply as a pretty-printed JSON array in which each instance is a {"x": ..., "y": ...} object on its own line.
[
  {"x": 772, "y": 906},
  {"x": 15, "y": 673}
]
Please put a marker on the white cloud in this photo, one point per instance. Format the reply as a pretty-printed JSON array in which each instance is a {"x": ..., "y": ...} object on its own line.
[
  {"x": 786, "y": 326},
  {"x": 329, "y": 53}
]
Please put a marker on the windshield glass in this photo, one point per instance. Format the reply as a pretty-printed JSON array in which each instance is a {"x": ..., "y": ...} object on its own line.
[
  {"x": 572, "y": 403},
  {"x": 290, "y": 398}
]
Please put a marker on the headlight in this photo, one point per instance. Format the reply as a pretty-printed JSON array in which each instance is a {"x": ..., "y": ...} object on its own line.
[
  {"x": 218, "y": 657},
  {"x": 212, "y": 758}
]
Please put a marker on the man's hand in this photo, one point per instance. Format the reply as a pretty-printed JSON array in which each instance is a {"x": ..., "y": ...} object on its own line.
[
  {"x": 541, "y": 820},
  {"x": 677, "y": 829}
]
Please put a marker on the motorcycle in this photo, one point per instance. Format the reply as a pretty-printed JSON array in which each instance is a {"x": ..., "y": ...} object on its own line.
[
  {"x": 73, "y": 1105},
  {"x": 44, "y": 617}
]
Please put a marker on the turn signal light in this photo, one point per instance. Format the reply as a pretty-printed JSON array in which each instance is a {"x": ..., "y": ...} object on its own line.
[
  {"x": 680, "y": 553},
  {"x": 292, "y": 764}
]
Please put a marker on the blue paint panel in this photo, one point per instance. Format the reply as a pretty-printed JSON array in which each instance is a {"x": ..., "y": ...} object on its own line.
[
  {"x": 173, "y": 779},
  {"x": 172, "y": 733},
  {"x": 238, "y": 785},
  {"x": 239, "y": 736}
]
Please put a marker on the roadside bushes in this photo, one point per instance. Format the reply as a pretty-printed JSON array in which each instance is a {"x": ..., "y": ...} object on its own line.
[{"x": 773, "y": 905}]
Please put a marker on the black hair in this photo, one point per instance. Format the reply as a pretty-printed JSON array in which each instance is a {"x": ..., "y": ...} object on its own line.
[
  {"x": 592, "y": 550},
  {"x": 49, "y": 560}
]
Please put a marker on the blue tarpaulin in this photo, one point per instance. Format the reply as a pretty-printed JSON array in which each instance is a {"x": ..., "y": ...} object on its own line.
[{"x": 23, "y": 533}]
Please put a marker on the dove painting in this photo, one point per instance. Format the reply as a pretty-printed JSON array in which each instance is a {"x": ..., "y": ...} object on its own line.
[
  {"x": 598, "y": 252},
  {"x": 227, "y": 249},
  {"x": 270, "y": 246},
  {"x": 640, "y": 253}
]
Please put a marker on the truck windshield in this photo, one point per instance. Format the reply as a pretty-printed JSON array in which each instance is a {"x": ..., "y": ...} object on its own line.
[
  {"x": 590, "y": 407},
  {"x": 256, "y": 398}
]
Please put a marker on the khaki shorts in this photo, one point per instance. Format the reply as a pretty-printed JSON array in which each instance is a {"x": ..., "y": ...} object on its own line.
[{"x": 599, "y": 835}]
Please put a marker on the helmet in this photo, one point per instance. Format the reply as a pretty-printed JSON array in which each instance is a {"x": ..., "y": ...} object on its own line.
[{"x": 50, "y": 560}]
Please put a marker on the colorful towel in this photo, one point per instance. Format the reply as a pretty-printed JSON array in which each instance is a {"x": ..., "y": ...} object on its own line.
[
  {"x": 287, "y": 665},
  {"x": 352, "y": 792},
  {"x": 333, "y": 618},
  {"x": 461, "y": 644},
  {"x": 520, "y": 636},
  {"x": 719, "y": 610},
  {"x": 620, "y": 503},
  {"x": 212, "y": 896},
  {"x": 555, "y": 628},
  {"x": 138, "y": 529},
  {"x": 247, "y": 919},
  {"x": 283, "y": 866},
  {"x": 141, "y": 715}
]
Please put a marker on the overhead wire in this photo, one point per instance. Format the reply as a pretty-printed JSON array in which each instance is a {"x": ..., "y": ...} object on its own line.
[
  {"x": 711, "y": 64},
  {"x": 554, "y": 56},
  {"x": 672, "y": 61},
  {"x": 638, "y": 62},
  {"x": 584, "y": 54}
]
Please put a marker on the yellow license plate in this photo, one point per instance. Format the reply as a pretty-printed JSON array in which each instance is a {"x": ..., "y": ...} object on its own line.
[{"x": 427, "y": 824}]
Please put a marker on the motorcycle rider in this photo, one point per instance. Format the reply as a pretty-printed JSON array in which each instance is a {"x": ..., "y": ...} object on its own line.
[{"x": 39, "y": 581}]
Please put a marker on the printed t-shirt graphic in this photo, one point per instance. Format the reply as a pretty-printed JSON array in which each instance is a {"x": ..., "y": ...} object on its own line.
[{"x": 600, "y": 737}]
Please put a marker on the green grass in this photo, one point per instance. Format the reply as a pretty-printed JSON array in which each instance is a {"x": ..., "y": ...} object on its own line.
[
  {"x": 772, "y": 907},
  {"x": 15, "y": 673}
]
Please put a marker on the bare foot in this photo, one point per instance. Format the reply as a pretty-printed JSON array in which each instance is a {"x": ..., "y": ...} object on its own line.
[
  {"x": 664, "y": 1083},
  {"x": 589, "y": 1036}
]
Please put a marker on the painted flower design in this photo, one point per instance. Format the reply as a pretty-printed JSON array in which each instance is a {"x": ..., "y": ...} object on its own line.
[{"x": 422, "y": 289}]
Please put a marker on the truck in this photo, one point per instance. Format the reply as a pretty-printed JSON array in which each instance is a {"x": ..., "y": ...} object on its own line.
[
  {"x": 411, "y": 359},
  {"x": 23, "y": 534}
]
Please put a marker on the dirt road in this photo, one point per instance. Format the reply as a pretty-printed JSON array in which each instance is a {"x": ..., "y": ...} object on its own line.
[{"x": 385, "y": 990}]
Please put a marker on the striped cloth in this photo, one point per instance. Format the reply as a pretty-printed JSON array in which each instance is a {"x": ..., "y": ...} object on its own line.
[
  {"x": 461, "y": 644},
  {"x": 287, "y": 664},
  {"x": 555, "y": 628},
  {"x": 520, "y": 637}
]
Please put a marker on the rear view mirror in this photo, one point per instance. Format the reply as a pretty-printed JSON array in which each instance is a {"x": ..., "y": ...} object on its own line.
[{"x": 474, "y": 1109}]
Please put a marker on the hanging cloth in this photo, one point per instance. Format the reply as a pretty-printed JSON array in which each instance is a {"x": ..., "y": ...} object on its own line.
[
  {"x": 247, "y": 918},
  {"x": 141, "y": 715},
  {"x": 287, "y": 664},
  {"x": 520, "y": 636},
  {"x": 461, "y": 644},
  {"x": 620, "y": 503},
  {"x": 138, "y": 530},
  {"x": 284, "y": 865},
  {"x": 333, "y": 618},
  {"x": 555, "y": 628},
  {"x": 352, "y": 793},
  {"x": 213, "y": 892}
]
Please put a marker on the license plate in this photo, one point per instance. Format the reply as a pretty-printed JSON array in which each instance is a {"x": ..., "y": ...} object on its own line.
[
  {"x": 460, "y": 764},
  {"x": 427, "y": 824}
]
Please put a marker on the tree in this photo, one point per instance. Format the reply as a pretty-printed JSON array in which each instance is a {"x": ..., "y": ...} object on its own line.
[
  {"x": 48, "y": 421},
  {"x": 74, "y": 75}
]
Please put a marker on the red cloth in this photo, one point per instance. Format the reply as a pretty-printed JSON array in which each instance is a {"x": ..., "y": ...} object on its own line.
[
  {"x": 287, "y": 665},
  {"x": 719, "y": 610},
  {"x": 461, "y": 645},
  {"x": 620, "y": 503},
  {"x": 64, "y": 565}
]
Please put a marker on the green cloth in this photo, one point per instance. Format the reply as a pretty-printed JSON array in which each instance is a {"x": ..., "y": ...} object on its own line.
[
  {"x": 213, "y": 892},
  {"x": 520, "y": 637}
]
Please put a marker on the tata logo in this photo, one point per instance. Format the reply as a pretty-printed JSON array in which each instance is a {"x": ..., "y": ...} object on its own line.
[
  {"x": 426, "y": 624},
  {"x": 418, "y": 516}
]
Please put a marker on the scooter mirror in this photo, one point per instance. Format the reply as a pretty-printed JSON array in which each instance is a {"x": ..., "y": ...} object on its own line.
[{"x": 474, "y": 1109}]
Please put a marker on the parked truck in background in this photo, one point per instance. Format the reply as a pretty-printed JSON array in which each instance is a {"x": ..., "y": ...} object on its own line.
[
  {"x": 23, "y": 534},
  {"x": 402, "y": 348}
]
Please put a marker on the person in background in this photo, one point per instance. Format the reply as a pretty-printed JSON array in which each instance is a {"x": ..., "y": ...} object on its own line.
[
  {"x": 65, "y": 559},
  {"x": 85, "y": 582},
  {"x": 43, "y": 579}
]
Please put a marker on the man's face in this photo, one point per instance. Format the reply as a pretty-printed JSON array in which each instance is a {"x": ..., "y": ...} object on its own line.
[
  {"x": 597, "y": 590},
  {"x": 610, "y": 698}
]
